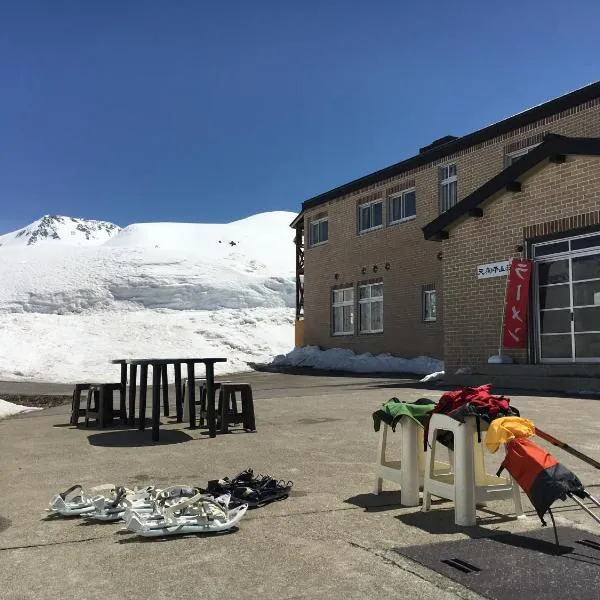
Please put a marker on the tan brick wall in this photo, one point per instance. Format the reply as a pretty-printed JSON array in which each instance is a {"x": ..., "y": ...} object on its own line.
[
  {"x": 413, "y": 260},
  {"x": 554, "y": 198}
]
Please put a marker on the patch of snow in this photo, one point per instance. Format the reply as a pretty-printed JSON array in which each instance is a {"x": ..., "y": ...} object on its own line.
[
  {"x": 151, "y": 290},
  {"x": 500, "y": 359},
  {"x": 341, "y": 359},
  {"x": 465, "y": 371},
  {"x": 66, "y": 230},
  {"x": 433, "y": 377},
  {"x": 7, "y": 409}
]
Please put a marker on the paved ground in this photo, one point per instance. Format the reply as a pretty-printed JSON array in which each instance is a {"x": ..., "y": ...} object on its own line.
[{"x": 331, "y": 539}]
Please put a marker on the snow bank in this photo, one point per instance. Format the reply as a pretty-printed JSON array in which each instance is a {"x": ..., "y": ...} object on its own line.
[
  {"x": 339, "y": 359},
  {"x": 7, "y": 409}
]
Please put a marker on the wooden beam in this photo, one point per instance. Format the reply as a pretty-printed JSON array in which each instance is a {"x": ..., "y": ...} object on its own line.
[
  {"x": 558, "y": 158},
  {"x": 444, "y": 235},
  {"x": 476, "y": 212},
  {"x": 513, "y": 186}
]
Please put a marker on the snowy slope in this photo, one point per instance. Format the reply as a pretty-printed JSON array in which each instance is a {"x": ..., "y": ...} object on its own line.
[
  {"x": 67, "y": 230},
  {"x": 153, "y": 289}
]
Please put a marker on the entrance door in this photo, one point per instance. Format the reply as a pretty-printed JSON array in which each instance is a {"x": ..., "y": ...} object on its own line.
[{"x": 568, "y": 300}]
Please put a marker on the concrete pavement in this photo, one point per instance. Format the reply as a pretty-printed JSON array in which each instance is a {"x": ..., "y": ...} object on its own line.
[{"x": 332, "y": 538}]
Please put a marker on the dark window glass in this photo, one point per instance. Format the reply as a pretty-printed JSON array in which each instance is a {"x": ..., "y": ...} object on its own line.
[
  {"x": 587, "y": 242},
  {"x": 586, "y": 293},
  {"x": 553, "y": 272},
  {"x": 557, "y": 346},
  {"x": 411, "y": 204},
  {"x": 555, "y": 321},
  {"x": 587, "y": 319},
  {"x": 555, "y": 296},
  {"x": 586, "y": 267},
  {"x": 551, "y": 249},
  {"x": 587, "y": 345}
]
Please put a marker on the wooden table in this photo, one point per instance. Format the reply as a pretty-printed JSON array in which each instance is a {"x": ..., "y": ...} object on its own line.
[{"x": 159, "y": 372}]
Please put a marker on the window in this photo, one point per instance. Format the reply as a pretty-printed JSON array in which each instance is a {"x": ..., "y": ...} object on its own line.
[
  {"x": 370, "y": 302},
  {"x": 429, "y": 304},
  {"x": 342, "y": 310},
  {"x": 513, "y": 157},
  {"x": 370, "y": 216},
  {"x": 448, "y": 187},
  {"x": 402, "y": 206},
  {"x": 319, "y": 231}
]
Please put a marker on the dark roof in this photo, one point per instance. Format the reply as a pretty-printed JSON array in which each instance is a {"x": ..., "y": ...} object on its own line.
[
  {"x": 442, "y": 149},
  {"x": 553, "y": 147}
]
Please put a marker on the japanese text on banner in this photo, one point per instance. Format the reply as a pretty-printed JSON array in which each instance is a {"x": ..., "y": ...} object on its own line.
[{"x": 517, "y": 302}]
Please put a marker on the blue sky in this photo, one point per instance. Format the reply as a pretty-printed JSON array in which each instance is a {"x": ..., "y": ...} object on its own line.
[{"x": 211, "y": 111}]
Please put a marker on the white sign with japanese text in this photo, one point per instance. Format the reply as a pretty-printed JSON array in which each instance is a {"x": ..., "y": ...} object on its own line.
[{"x": 497, "y": 269}]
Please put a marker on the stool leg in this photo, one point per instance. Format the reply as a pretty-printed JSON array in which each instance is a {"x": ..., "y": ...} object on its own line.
[
  {"x": 464, "y": 480},
  {"x": 248, "y": 410},
  {"x": 76, "y": 406},
  {"x": 123, "y": 390},
  {"x": 202, "y": 396},
  {"x": 143, "y": 394},
  {"x": 409, "y": 473},
  {"x": 381, "y": 456},
  {"x": 102, "y": 407},
  {"x": 191, "y": 388},
  {"x": 227, "y": 395},
  {"x": 178, "y": 407},
  {"x": 429, "y": 468},
  {"x": 88, "y": 406},
  {"x": 132, "y": 390},
  {"x": 165, "y": 389}
]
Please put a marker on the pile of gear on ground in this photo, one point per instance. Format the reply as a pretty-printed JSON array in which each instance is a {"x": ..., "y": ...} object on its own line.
[
  {"x": 175, "y": 510},
  {"x": 539, "y": 474}
]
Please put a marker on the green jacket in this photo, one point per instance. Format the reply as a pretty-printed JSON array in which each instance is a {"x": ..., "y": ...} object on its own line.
[{"x": 393, "y": 410}]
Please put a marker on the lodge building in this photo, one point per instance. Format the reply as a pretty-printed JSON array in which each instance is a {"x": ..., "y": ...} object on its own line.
[{"x": 413, "y": 259}]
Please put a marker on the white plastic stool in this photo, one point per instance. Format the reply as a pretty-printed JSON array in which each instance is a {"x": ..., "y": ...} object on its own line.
[
  {"x": 408, "y": 471},
  {"x": 469, "y": 485}
]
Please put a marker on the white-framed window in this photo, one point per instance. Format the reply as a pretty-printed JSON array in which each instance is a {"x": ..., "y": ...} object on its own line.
[
  {"x": 370, "y": 303},
  {"x": 319, "y": 231},
  {"x": 513, "y": 157},
  {"x": 448, "y": 187},
  {"x": 342, "y": 311},
  {"x": 370, "y": 216},
  {"x": 429, "y": 305},
  {"x": 402, "y": 206}
]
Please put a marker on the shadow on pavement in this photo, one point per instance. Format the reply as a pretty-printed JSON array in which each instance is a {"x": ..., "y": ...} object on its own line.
[{"x": 132, "y": 438}]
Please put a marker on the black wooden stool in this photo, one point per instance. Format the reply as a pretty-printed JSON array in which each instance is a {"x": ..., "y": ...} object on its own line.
[
  {"x": 76, "y": 410},
  {"x": 100, "y": 406},
  {"x": 227, "y": 412}
]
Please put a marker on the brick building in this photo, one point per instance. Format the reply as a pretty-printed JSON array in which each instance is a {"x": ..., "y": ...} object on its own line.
[{"x": 389, "y": 262}]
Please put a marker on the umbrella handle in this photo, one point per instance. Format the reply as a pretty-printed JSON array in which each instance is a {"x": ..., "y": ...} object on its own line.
[{"x": 567, "y": 448}]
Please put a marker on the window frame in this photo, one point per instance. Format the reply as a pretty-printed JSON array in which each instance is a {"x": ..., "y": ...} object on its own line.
[
  {"x": 401, "y": 194},
  {"x": 334, "y": 305},
  {"x": 447, "y": 181},
  {"x": 428, "y": 294},
  {"x": 370, "y": 204},
  {"x": 317, "y": 222},
  {"x": 370, "y": 300},
  {"x": 510, "y": 156}
]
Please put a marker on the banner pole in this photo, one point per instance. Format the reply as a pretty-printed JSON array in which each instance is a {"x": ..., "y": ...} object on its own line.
[{"x": 504, "y": 309}]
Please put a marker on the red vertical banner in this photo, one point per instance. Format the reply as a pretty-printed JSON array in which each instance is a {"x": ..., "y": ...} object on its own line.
[{"x": 516, "y": 303}]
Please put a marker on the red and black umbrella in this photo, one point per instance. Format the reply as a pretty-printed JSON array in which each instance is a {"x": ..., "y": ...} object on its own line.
[{"x": 543, "y": 478}]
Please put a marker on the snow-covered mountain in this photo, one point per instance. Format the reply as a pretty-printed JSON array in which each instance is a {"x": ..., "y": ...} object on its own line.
[
  {"x": 68, "y": 230},
  {"x": 150, "y": 289}
]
